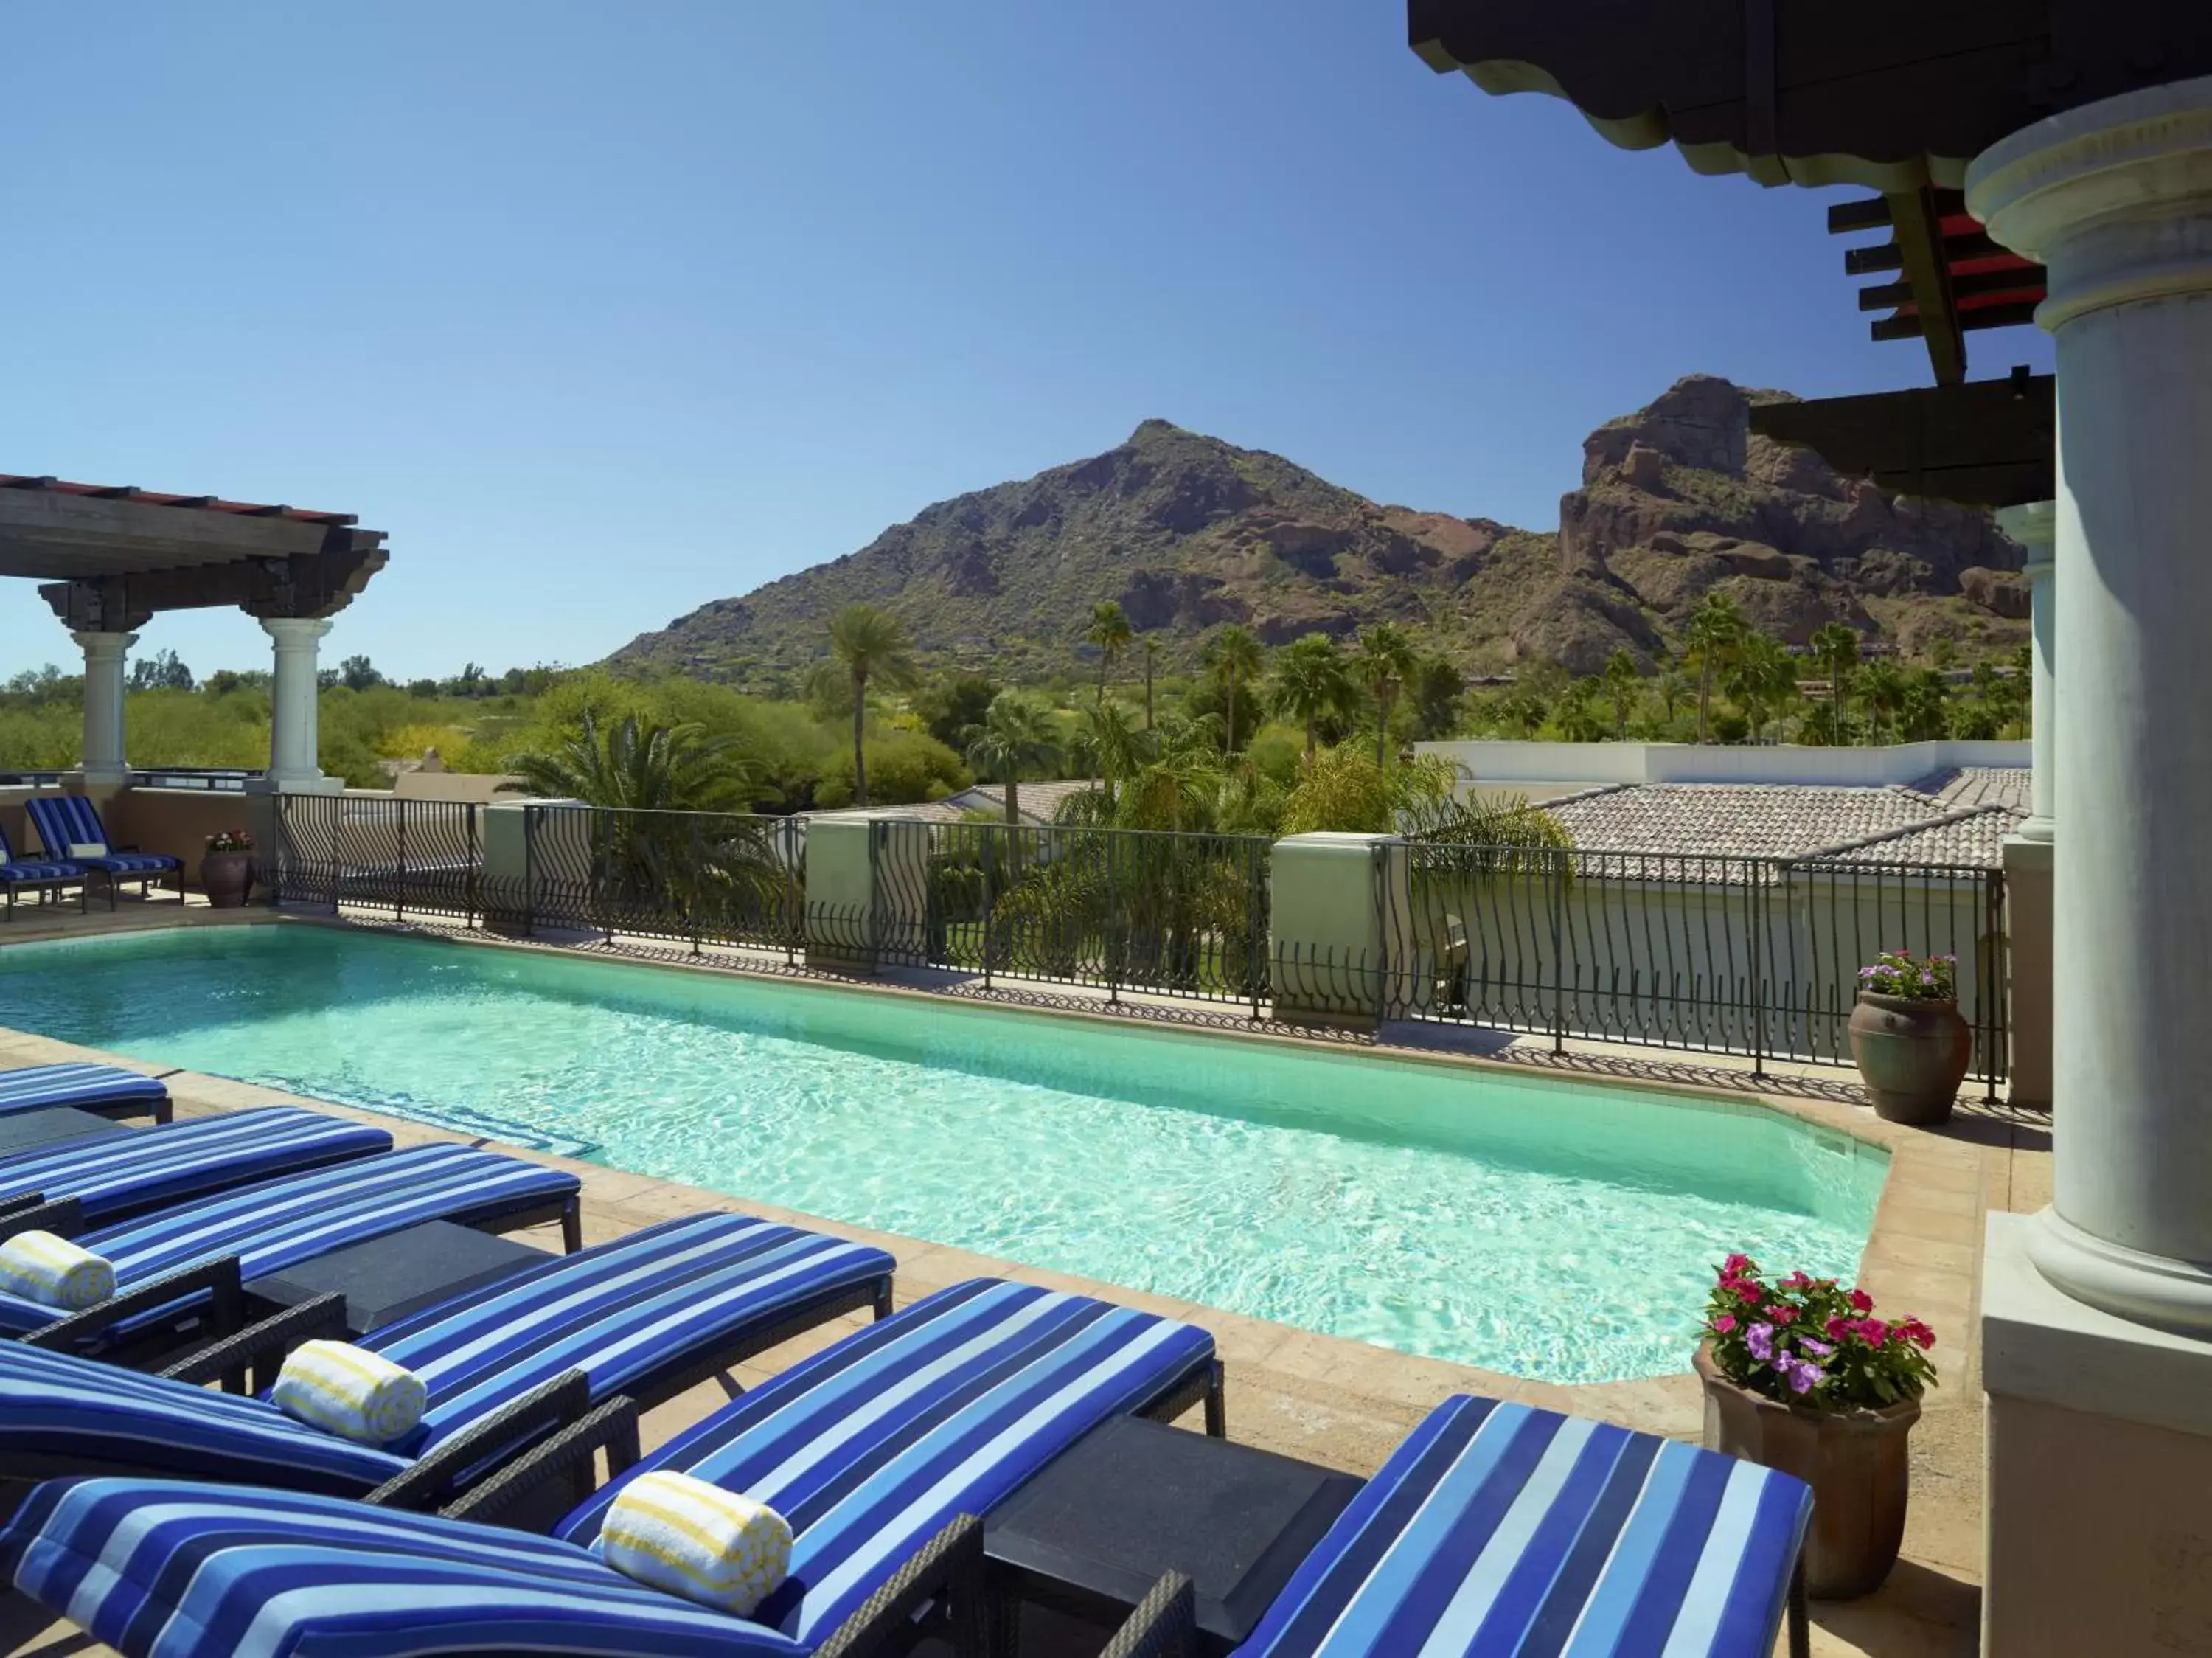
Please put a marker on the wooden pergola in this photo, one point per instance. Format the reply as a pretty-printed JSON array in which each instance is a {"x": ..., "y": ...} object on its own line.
[
  {"x": 110, "y": 557},
  {"x": 1894, "y": 95}
]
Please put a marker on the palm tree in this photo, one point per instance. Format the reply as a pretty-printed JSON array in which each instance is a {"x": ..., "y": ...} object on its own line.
[
  {"x": 1385, "y": 663},
  {"x": 1716, "y": 627},
  {"x": 1761, "y": 677},
  {"x": 1312, "y": 683},
  {"x": 1016, "y": 735},
  {"x": 1233, "y": 658},
  {"x": 1883, "y": 687},
  {"x": 1117, "y": 746},
  {"x": 1621, "y": 685},
  {"x": 1836, "y": 647},
  {"x": 871, "y": 644},
  {"x": 1109, "y": 630},
  {"x": 644, "y": 767},
  {"x": 1152, "y": 654}
]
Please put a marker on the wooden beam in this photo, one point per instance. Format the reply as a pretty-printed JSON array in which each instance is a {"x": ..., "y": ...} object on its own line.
[
  {"x": 1920, "y": 243},
  {"x": 1883, "y": 296},
  {"x": 302, "y": 585},
  {"x": 1984, "y": 442},
  {"x": 1890, "y": 255}
]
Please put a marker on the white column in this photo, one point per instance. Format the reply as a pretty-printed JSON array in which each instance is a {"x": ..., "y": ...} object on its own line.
[
  {"x": 2115, "y": 198},
  {"x": 293, "y": 739},
  {"x": 2035, "y": 526},
  {"x": 103, "y": 705}
]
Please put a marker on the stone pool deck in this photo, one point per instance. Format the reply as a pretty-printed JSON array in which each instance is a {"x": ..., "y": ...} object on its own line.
[{"x": 1345, "y": 1403}]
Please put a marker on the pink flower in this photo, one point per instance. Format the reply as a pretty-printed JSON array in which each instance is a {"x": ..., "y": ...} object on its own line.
[
  {"x": 1724, "y": 1324},
  {"x": 1873, "y": 1332},
  {"x": 1736, "y": 1265},
  {"x": 1783, "y": 1312},
  {"x": 1796, "y": 1280},
  {"x": 1917, "y": 1334},
  {"x": 1861, "y": 1302},
  {"x": 1839, "y": 1328}
]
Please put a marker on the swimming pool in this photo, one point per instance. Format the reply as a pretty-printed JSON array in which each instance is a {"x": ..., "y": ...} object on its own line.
[{"x": 1535, "y": 1226}]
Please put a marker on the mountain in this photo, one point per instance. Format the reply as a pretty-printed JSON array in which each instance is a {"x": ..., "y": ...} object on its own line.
[{"x": 1187, "y": 531}]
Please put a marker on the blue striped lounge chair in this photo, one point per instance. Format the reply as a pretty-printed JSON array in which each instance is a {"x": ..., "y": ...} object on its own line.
[
  {"x": 880, "y": 1449},
  {"x": 1499, "y": 1528},
  {"x": 110, "y": 1176},
  {"x": 45, "y": 876},
  {"x": 67, "y": 821},
  {"x": 271, "y": 1225},
  {"x": 109, "y": 1090},
  {"x": 642, "y": 1317}
]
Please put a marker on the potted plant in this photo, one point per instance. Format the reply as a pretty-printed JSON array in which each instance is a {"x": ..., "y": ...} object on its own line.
[
  {"x": 227, "y": 868},
  {"x": 1911, "y": 1047},
  {"x": 1800, "y": 1375}
]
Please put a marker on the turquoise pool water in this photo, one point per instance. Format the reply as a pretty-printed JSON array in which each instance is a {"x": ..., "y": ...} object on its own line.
[{"x": 1534, "y": 1226}]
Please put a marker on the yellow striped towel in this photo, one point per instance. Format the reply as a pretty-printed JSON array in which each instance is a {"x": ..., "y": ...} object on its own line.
[
  {"x": 54, "y": 1272},
  {"x": 719, "y": 1548},
  {"x": 350, "y": 1391}
]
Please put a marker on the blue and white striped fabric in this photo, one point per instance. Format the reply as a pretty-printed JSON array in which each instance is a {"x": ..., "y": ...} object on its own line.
[
  {"x": 67, "y": 820},
  {"x": 25, "y": 870},
  {"x": 114, "y": 1174},
  {"x": 871, "y": 1446},
  {"x": 90, "y": 1087},
  {"x": 72, "y": 1413},
  {"x": 159, "y": 1570},
  {"x": 273, "y": 1224},
  {"x": 627, "y": 1312},
  {"x": 1502, "y": 1528}
]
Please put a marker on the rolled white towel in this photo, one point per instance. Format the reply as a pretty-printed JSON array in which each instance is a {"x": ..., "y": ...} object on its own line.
[
  {"x": 51, "y": 1271},
  {"x": 350, "y": 1392},
  {"x": 719, "y": 1548}
]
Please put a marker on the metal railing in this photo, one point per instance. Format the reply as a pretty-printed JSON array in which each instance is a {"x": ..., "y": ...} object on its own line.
[
  {"x": 421, "y": 856},
  {"x": 1757, "y": 956},
  {"x": 1166, "y": 914},
  {"x": 722, "y": 878}
]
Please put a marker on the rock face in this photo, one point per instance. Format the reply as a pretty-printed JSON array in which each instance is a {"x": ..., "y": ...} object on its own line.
[{"x": 1188, "y": 531}]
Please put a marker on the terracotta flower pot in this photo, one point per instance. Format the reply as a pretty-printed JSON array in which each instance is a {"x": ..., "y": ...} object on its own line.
[
  {"x": 1855, "y": 1461},
  {"x": 227, "y": 878},
  {"x": 1911, "y": 1054}
]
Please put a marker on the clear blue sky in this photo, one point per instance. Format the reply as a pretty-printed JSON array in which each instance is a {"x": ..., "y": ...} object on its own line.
[{"x": 603, "y": 311}]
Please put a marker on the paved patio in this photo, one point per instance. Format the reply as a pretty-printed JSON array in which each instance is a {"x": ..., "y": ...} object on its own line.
[{"x": 1346, "y": 1403}]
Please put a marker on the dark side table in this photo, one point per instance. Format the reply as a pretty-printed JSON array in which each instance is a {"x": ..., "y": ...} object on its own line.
[
  {"x": 29, "y": 1131},
  {"x": 383, "y": 1279},
  {"x": 1133, "y": 1499}
]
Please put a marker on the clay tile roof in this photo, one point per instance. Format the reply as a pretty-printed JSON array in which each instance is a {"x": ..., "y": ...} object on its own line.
[
  {"x": 158, "y": 498},
  {"x": 1979, "y": 785},
  {"x": 1039, "y": 801}
]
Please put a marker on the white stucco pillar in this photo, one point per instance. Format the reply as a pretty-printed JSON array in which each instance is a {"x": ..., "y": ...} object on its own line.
[
  {"x": 293, "y": 737},
  {"x": 2115, "y": 198},
  {"x": 2035, "y": 526},
  {"x": 104, "y": 764}
]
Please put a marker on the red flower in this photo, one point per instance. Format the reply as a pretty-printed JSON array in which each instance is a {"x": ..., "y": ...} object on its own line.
[
  {"x": 1723, "y": 1323},
  {"x": 1917, "y": 1334},
  {"x": 1861, "y": 1302},
  {"x": 1736, "y": 1265},
  {"x": 1838, "y": 1328},
  {"x": 1783, "y": 1312}
]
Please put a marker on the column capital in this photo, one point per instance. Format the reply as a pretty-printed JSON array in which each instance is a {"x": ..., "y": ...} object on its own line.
[
  {"x": 295, "y": 631},
  {"x": 102, "y": 647},
  {"x": 2034, "y": 525},
  {"x": 2096, "y": 195}
]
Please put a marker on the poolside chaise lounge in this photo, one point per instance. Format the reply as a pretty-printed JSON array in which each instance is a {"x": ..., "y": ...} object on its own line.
[
  {"x": 1499, "y": 1528},
  {"x": 109, "y": 1090},
  {"x": 109, "y": 1176},
  {"x": 262, "y": 1229},
  {"x": 876, "y": 1449},
  {"x": 69, "y": 829},
  {"x": 644, "y": 1316},
  {"x": 43, "y": 875}
]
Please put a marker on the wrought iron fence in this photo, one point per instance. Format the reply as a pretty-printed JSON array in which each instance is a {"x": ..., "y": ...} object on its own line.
[
  {"x": 1166, "y": 914},
  {"x": 720, "y": 878},
  {"x": 420, "y": 856},
  {"x": 1758, "y": 956}
]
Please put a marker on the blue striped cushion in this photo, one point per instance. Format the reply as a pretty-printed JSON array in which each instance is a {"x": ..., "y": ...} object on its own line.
[
  {"x": 627, "y": 1312},
  {"x": 92, "y": 1416},
  {"x": 35, "y": 1087},
  {"x": 178, "y": 1570},
  {"x": 30, "y": 872},
  {"x": 1502, "y": 1528},
  {"x": 870, "y": 1447},
  {"x": 110, "y": 1173},
  {"x": 67, "y": 820},
  {"x": 273, "y": 1224}
]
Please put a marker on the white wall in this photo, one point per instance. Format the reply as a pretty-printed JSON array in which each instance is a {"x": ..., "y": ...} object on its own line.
[{"x": 1532, "y": 765}]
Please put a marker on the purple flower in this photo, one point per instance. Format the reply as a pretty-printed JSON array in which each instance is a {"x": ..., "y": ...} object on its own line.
[
  {"x": 1813, "y": 1346},
  {"x": 1803, "y": 1374},
  {"x": 1759, "y": 1338}
]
